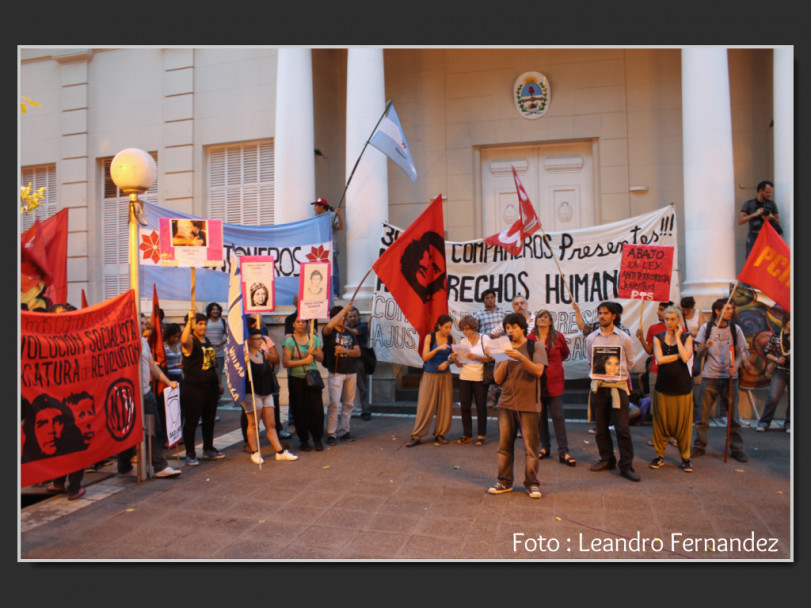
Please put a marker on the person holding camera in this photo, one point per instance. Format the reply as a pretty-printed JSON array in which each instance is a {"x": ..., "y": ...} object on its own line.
[{"x": 758, "y": 210}]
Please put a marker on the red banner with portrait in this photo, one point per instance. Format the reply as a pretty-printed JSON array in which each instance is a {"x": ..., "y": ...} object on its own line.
[{"x": 79, "y": 385}]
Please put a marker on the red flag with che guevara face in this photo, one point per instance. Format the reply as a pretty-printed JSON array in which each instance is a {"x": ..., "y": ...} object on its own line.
[
  {"x": 413, "y": 269},
  {"x": 768, "y": 266}
]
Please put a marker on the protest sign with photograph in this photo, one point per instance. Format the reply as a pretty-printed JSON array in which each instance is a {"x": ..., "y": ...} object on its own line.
[
  {"x": 174, "y": 428},
  {"x": 606, "y": 363},
  {"x": 313, "y": 294},
  {"x": 256, "y": 273},
  {"x": 190, "y": 242}
]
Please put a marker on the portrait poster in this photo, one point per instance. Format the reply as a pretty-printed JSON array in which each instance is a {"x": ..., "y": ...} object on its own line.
[
  {"x": 606, "y": 363},
  {"x": 190, "y": 242},
  {"x": 174, "y": 428},
  {"x": 313, "y": 292},
  {"x": 79, "y": 387},
  {"x": 256, "y": 274},
  {"x": 645, "y": 272}
]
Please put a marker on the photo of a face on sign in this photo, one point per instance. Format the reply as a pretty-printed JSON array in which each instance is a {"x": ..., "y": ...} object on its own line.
[
  {"x": 606, "y": 363},
  {"x": 314, "y": 277},
  {"x": 257, "y": 283},
  {"x": 190, "y": 242}
]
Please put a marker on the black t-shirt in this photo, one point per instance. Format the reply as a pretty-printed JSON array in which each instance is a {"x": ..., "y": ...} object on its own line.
[
  {"x": 673, "y": 378},
  {"x": 345, "y": 363}
]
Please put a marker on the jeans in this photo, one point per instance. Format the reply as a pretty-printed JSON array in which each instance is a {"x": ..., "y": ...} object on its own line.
[
  {"x": 508, "y": 423},
  {"x": 553, "y": 406},
  {"x": 605, "y": 414},
  {"x": 341, "y": 393},
  {"x": 712, "y": 389},
  {"x": 778, "y": 385},
  {"x": 469, "y": 390}
]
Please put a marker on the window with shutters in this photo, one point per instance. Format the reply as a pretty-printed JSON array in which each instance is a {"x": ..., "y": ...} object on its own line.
[
  {"x": 44, "y": 175},
  {"x": 115, "y": 232},
  {"x": 240, "y": 183}
]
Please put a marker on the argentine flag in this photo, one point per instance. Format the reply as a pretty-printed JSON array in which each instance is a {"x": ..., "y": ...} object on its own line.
[{"x": 391, "y": 141}]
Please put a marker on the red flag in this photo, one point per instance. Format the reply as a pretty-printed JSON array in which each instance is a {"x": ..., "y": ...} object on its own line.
[
  {"x": 512, "y": 239},
  {"x": 768, "y": 266},
  {"x": 413, "y": 269},
  {"x": 155, "y": 340},
  {"x": 84, "y": 299},
  {"x": 44, "y": 259}
]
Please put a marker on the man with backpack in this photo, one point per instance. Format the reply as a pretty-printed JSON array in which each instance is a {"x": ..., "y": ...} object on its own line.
[{"x": 723, "y": 344}]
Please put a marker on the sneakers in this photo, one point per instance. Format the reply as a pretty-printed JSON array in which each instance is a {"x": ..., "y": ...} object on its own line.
[
  {"x": 285, "y": 455},
  {"x": 500, "y": 488},
  {"x": 213, "y": 454},
  {"x": 319, "y": 447},
  {"x": 366, "y": 416},
  {"x": 191, "y": 461},
  {"x": 441, "y": 439},
  {"x": 347, "y": 437},
  {"x": 658, "y": 463},
  {"x": 686, "y": 465},
  {"x": 412, "y": 442},
  {"x": 534, "y": 492},
  {"x": 285, "y": 435},
  {"x": 256, "y": 458},
  {"x": 167, "y": 472},
  {"x": 761, "y": 429},
  {"x": 331, "y": 440}
]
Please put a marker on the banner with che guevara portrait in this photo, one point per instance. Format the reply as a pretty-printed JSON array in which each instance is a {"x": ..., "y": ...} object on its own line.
[
  {"x": 80, "y": 394},
  {"x": 588, "y": 258}
]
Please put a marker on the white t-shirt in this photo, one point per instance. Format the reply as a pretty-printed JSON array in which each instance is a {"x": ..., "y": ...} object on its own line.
[{"x": 473, "y": 371}]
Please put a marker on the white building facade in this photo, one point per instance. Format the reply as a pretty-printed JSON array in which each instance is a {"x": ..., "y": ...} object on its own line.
[{"x": 253, "y": 135}]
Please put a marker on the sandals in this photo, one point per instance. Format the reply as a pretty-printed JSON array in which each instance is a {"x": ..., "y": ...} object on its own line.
[
  {"x": 568, "y": 460},
  {"x": 463, "y": 439},
  {"x": 543, "y": 454},
  {"x": 480, "y": 440}
]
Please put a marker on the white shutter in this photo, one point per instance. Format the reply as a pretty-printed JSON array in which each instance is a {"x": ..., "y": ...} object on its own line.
[
  {"x": 240, "y": 183},
  {"x": 39, "y": 177}
]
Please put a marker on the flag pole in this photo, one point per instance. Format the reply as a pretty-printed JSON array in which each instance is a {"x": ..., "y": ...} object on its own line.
[
  {"x": 368, "y": 272},
  {"x": 379, "y": 120},
  {"x": 253, "y": 399},
  {"x": 554, "y": 257},
  {"x": 641, "y": 314},
  {"x": 731, "y": 410}
]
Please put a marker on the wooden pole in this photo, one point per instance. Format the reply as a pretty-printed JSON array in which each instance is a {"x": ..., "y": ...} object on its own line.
[
  {"x": 641, "y": 314},
  {"x": 731, "y": 409},
  {"x": 193, "y": 283},
  {"x": 253, "y": 399}
]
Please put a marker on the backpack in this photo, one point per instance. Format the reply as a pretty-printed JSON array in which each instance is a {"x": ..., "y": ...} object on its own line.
[{"x": 698, "y": 362}]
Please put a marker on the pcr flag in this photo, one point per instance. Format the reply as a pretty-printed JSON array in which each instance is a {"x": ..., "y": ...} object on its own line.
[
  {"x": 237, "y": 331},
  {"x": 528, "y": 223},
  {"x": 413, "y": 269},
  {"x": 768, "y": 266},
  {"x": 391, "y": 141}
]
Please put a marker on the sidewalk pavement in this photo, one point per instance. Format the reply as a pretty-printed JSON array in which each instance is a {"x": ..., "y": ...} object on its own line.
[{"x": 375, "y": 499}]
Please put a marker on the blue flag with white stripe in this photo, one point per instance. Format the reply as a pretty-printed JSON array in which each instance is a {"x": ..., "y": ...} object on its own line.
[
  {"x": 391, "y": 141},
  {"x": 236, "y": 327}
]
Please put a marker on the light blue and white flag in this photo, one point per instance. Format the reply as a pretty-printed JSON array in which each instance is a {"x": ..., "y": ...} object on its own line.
[
  {"x": 236, "y": 327},
  {"x": 391, "y": 141},
  {"x": 290, "y": 245}
]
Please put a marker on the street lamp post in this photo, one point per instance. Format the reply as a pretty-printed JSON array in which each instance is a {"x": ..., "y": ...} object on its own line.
[{"x": 134, "y": 171}]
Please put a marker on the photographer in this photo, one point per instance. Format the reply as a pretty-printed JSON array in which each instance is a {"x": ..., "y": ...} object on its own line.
[{"x": 758, "y": 210}]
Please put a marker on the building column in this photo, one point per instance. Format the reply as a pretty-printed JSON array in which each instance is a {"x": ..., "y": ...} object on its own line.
[
  {"x": 783, "y": 111},
  {"x": 367, "y": 197},
  {"x": 709, "y": 184},
  {"x": 294, "y": 140}
]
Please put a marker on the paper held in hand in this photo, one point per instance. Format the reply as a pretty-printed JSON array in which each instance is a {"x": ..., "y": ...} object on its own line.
[{"x": 497, "y": 347}]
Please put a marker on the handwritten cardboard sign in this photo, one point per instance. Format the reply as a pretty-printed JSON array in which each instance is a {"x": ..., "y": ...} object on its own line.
[{"x": 645, "y": 272}]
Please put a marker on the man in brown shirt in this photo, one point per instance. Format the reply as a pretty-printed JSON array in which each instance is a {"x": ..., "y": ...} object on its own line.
[{"x": 519, "y": 405}]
